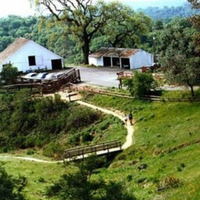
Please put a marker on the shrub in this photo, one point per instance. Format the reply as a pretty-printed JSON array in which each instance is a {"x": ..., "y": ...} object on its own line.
[
  {"x": 9, "y": 74},
  {"x": 169, "y": 182},
  {"x": 86, "y": 137},
  {"x": 140, "y": 84},
  {"x": 129, "y": 178}
]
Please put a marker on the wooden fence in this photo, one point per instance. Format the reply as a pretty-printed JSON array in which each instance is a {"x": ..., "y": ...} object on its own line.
[
  {"x": 83, "y": 151},
  {"x": 48, "y": 86},
  {"x": 168, "y": 99}
]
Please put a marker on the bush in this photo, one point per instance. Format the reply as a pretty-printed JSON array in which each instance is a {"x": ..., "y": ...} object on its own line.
[
  {"x": 140, "y": 84},
  {"x": 169, "y": 182},
  {"x": 27, "y": 122},
  {"x": 9, "y": 74}
]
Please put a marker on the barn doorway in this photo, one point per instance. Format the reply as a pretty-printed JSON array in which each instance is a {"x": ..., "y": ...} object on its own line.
[
  {"x": 56, "y": 64},
  {"x": 125, "y": 63},
  {"x": 106, "y": 61},
  {"x": 116, "y": 62}
]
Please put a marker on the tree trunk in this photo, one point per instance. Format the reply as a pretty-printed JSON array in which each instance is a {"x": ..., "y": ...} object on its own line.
[
  {"x": 192, "y": 90},
  {"x": 85, "y": 48}
]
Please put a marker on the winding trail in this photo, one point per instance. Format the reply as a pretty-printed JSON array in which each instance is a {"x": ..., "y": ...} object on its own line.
[{"x": 127, "y": 144}]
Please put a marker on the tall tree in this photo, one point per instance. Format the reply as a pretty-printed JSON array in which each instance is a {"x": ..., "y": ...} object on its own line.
[
  {"x": 126, "y": 26},
  {"x": 196, "y": 22},
  {"x": 177, "y": 54},
  {"x": 195, "y": 3},
  {"x": 83, "y": 19}
]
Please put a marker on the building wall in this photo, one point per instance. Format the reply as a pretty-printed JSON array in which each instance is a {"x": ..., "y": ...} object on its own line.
[
  {"x": 141, "y": 58},
  {"x": 96, "y": 61},
  {"x": 42, "y": 55}
]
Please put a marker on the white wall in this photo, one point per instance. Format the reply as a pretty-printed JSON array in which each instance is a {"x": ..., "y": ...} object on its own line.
[
  {"x": 96, "y": 61},
  {"x": 42, "y": 55},
  {"x": 141, "y": 58}
]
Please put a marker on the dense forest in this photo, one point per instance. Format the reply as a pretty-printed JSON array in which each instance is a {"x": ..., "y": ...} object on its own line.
[
  {"x": 167, "y": 13},
  {"x": 53, "y": 35}
]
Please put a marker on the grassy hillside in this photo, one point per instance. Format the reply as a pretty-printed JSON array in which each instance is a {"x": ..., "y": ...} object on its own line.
[
  {"x": 162, "y": 164},
  {"x": 167, "y": 145},
  {"x": 51, "y": 124}
]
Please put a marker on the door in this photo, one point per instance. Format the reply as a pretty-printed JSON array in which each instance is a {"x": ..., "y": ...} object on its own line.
[
  {"x": 106, "y": 61},
  {"x": 56, "y": 64},
  {"x": 125, "y": 63}
]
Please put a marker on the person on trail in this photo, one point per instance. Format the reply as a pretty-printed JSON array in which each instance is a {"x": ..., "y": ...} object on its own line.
[
  {"x": 130, "y": 117},
  {"x": 125, "y": 119}
]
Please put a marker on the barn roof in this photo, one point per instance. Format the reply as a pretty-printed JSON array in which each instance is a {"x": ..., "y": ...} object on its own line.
[
  {"x": 114, "y": 52},
  {"x": 12, "y": 48}
]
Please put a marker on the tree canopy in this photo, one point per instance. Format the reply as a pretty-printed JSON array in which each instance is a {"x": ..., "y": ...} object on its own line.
[
  {"x": 178, "y": 55},
  {"x": 84, "y": 19},
  {"x": 80, "y": 185},
  {"x": 11, "y": 188}
]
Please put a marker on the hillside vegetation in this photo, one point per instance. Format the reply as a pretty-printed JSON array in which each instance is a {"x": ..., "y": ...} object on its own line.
[
  {"x": 163, "y": 162},
  {"x": 167, "y": 13},
  {"x": 51, "y": 124}
]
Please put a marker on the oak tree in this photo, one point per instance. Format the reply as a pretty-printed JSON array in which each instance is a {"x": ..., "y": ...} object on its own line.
[
  {"x": 82, "y": 18},
  {"x": 126, "y": 26},
  {"x": 178, "y": 55}
]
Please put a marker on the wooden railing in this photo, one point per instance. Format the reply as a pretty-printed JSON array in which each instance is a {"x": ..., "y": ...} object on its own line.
[
  {"x": 47, "y": 86},
  {"x": 125, "y": 75},
  {"x": 169, "y": 99},
  {"x": 82, "y": 151},
  {"x": 72, "y": 76},
  {"x": 93, "y": 90}
]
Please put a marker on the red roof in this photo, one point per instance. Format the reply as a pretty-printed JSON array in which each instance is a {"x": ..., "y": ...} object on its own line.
[{"x": 114, "y": 52}]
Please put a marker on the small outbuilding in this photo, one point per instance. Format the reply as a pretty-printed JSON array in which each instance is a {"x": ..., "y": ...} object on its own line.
[
  {"x": 27, "y": 55},
  {"x": 121, "y": 57}
]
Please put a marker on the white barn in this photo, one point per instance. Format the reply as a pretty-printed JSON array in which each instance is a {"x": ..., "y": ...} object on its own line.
[
  {"x": 121, "y": 57},
  {"x": 27, "y": 55}
]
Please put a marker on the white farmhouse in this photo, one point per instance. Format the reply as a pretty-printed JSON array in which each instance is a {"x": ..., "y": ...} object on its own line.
[
  {"x": 121, "y": 57},
  {"x": 27, "y": 55}
]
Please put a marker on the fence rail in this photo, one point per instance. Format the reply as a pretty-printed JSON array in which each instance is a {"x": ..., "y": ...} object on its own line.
[
  {"x": 169, "y": 99},
  {"x": 47, "y": 86},
  {"x": 81, "y": 151}
]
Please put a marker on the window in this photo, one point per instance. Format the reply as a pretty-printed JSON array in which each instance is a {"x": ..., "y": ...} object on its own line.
[{"x": 31, "y": 60}]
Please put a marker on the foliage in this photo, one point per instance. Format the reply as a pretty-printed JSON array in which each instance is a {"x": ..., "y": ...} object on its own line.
[
  {"x": 13, "y": 27},
  {"x": 9, "y": 74},
  {"x": 140, "y": 84},
  {"x": 11, "y": 188},
  {"x": 84, "y": 21},
  {"x": 82, "y": 18},
  {"x": 167, "y": 13},
  {"x": 178, "y": 55},
  {"x": 125, "y": 27},
  {"x": 80, "y": 185},
  {"x": 28, "y": 122},
  {"x": 195, "y": 19},
  {"x": 160, "y": 126}
]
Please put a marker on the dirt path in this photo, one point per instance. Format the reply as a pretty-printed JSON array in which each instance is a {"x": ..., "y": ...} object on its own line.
[
  {"x": 127, "y": 144},
  {"x": 130, "y": 128}
]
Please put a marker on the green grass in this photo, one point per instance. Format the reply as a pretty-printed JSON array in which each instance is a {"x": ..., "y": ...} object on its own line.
[
  {"x": 165, "y": 135},
  {"x": 160, "y": 127},
  {"x": 39, "y": 176}
]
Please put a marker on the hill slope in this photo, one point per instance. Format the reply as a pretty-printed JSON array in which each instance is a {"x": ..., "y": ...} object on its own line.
[{"x": 163, "y": 163}]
